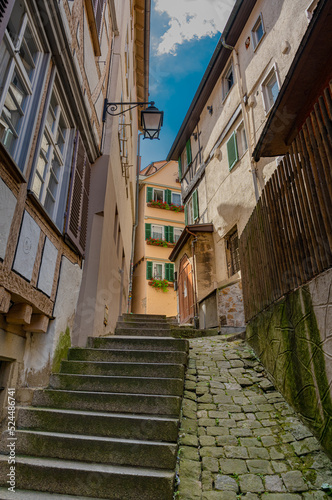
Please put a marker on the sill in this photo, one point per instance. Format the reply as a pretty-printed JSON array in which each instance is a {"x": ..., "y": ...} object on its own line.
[
  {"x": 11, "y": 166},
  {"x": 169, "y": 245},
  {"x": 36, "y": 203}
]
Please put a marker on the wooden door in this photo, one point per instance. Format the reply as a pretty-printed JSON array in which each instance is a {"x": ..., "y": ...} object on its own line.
[{"x": 186, "y": 291}]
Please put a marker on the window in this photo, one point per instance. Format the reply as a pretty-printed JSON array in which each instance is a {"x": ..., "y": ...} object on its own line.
[
  {"x": 311, "y": 9},
  {"x": 160, "y": 271},
  {"x": 176, "y": 199},
  {"x": 53, "y": 153},
  {"x": 191, "y": 209},
  {"x": 19, "y": 56},
  {"x": 257, "y": 31},
  {"x": 232, "y": 252},
  {"x": 185, "y": 159},
  {"x": 236, "y": 146},
  {"x": 227, "y": 81},
  {"x": 157, "y": 232},
  {"x": 270, "y": 90},
  {"x": 177, "y": 234},
  {"x": 158, "y": 195}
]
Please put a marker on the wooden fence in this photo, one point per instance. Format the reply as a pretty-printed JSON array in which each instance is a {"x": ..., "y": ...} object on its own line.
[{"x": 288, "y": 238}]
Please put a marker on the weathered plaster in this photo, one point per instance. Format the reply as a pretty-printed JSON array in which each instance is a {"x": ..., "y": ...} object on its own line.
[
  {"x": 47, "y": 267},
  {"x": 7, "y": 208},
  {"x": 27, "y": 247}
]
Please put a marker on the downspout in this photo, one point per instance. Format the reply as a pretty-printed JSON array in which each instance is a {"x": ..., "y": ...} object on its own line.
[
  {"x": 138, "y": 169},
  {"x": 108, "y": 84},
  {"x": 194, "y": 269},
  {"x": 245, "y": 115}
]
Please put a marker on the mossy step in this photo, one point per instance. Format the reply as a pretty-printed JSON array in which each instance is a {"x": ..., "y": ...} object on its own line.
[
  {"x": 136, "y": 331},
  {"x": 126, "y": 426},
  {"x": 128, "y": 385},
  {"x": 37, "y": 495},
  {"x": 95, "y": 449},
  {"x": 125, "y": 342},
  {"x": 158, "y": 370},
  {"x": 157, "y": 325},
  {"x": 128, "y": 356},
  {"x": 143, "y": 317},
  {"x": 112, "y": 402},
  {"x": 87, "y": 479}
]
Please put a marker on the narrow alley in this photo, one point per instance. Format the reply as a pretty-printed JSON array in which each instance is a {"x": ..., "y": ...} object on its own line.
[{"x": 239, "y": 439}]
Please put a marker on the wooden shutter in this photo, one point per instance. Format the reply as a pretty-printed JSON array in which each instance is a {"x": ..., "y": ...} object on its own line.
[
  {"x": 98, "y": 9},
  {"x": 149, "y": 194},
  {"x": 232, "y": 152},
  {"x": 149, "y": 270},
  {"x": 188, "y": 148},
  {"x": 78, "y": 204},
  {"x": 147, "y": 231},
  {"x": 171, "y": 234},
  {"x": 171, "y": 272},
  {"x": 180, "y": 167},
  {"x": 195, "y": 204},
  {"x": 168, "y": 196},
  {"x": 6, "y": 7},
  {"x": 166, "y": 233},
  {"x": 167, "y": 271},
  {"x": 186, "y": 215}
]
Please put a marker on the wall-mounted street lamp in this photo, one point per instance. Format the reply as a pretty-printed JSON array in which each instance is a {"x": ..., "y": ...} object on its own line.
[{"x": 151, "y": 117}]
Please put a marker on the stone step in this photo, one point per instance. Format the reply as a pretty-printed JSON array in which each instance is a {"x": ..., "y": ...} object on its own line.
[
  {"x": 128, "y": 385},
  {"x": 117, "y": 425},
  {"x": 142, "y": 317},
  {"x": 157, "y": 325},
  {"x": 86, "y": 479},
  {"x": 113, "y": 451},
  {"x": 37, "y": 495},
  {"x": 132, "y": 356},
  {"x": 140, "y": 332},
  {"x": 123, "y": 342},
  {"x": 112, "y": 402},
  {"x": 158, "y": 370}
]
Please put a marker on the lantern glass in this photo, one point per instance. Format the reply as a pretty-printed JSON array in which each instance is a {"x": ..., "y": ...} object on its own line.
[{"x": 151, "y": 120}]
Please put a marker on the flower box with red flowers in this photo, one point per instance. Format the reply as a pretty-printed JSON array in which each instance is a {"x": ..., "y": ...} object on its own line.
[{"x": 165, "y": 206}]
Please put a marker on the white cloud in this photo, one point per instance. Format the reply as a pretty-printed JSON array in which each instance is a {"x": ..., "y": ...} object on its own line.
[{"x": 191, "y": 19}]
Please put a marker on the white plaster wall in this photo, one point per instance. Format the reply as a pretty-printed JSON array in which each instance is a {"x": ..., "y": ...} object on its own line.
[
  {"x": 47, "y": 267},
  {"x": 40, "y": 346},
  {"x": 27, "y": 247},
  {"x": 7, "y": 208}
]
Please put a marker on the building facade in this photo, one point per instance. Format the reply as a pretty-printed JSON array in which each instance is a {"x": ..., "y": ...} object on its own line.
[
  {"x": 59, "y": 163},
  {"x": 220, "y": 181},
  {"x": 160, "y": 224}
]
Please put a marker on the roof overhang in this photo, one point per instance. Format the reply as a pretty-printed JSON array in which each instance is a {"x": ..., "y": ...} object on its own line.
[
  {"x": 233, "y": 29},
  {"x": 186, "y": 234},
  {"x": 141, "y": 15},
  {"x": 309, "y": 74}
]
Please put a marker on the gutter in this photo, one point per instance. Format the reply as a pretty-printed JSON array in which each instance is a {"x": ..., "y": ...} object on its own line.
[{"x": 147, "y": 21}]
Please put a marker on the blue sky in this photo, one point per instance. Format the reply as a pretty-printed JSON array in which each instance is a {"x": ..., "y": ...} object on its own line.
[{"x": 184, "y": 34}]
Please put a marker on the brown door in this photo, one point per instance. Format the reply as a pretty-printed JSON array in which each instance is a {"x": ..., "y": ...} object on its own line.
[{"x": 186, "y": 291}]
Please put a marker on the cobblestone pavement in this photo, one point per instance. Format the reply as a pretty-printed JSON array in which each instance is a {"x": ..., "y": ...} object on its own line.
[{"x": 239, "y": 439}]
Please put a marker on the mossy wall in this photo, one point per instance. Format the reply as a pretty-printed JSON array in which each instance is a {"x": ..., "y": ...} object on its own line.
[
  {"x": 61, "y": 350},
  {"x": 293, "y": 338}
]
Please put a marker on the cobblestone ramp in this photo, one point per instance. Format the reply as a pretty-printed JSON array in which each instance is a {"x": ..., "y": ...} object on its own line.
[
  {"x": 107, "y": 426},
  {"x": 239, "y": 440}
]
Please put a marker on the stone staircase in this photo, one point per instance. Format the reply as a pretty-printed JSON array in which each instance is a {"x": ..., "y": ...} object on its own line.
[{"x": 107, "y": 426}]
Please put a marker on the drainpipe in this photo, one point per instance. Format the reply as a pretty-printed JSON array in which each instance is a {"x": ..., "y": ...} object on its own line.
[
  {"x": 138, "y": 169},
  {"x": 244, "y": 114},
  {"x": 194, "y": 269}
]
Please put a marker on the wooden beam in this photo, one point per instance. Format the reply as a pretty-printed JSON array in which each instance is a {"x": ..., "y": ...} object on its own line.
[{"x": 4, "y": 300}]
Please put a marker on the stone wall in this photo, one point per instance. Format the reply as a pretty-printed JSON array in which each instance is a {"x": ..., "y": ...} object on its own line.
[
  {"x": 293, "y": 338},
  {"x": 230, "y": 305}
]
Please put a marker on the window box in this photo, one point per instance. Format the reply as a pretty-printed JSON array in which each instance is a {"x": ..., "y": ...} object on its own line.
[
  {"x": 165, "y": 206},
  {"x": 160, "y": 284},
  {"x": 159, "y": 243}
]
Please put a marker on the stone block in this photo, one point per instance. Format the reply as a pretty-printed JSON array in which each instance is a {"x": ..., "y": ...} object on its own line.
[
  {"x": 225, "y": 483},
  {"x": 251, "y": 483},
  {"x": 38, "y": 324},
  {"x": 210, "y": 464},
  {"x": 236, "y": 452},
  {"x": 5, "y": 298},
  {"x": 19, "y": 314},
  {"x": 233, "y": 466},
  {"x": 294, "y": 481},
  {"x": 274, "y": 483},
  {"x": 259, "y": 466},
  {"x": 190, "y": 469}
]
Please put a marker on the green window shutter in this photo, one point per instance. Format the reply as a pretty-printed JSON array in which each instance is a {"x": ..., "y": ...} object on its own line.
[
  {"x": 171, "y": 234},
  {"x": 166, "y": 233},
  {"x": 188, "y": 148},
  {"x": 186, "y": 215},
  {"x": 180, "y": 167},
  {"x": 171, "y": 272},
  {"x": 147, "y": 231},
  {"x": 149, "y": 270},
  {"x": 232, "y": 152},
  {"x": 168, "y": 196},
  {"x": 195, "y": 204},
  {"x": 167, "y": 271},
  {"x": 149, "y": 194}
]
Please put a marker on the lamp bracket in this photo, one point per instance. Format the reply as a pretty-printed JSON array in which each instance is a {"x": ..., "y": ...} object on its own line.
[{"x": 111, "y": 107}]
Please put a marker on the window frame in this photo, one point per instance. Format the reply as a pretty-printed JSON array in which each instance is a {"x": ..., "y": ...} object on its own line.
[
  {"x": 225, "y": 87},
  {"x": 153, "y": 263},
  {"x": 162, "y": 231},
  {"x": 178, "y": 194},
  {"x": 256, "y": 42},
  {"x": 235, "y": 137},
  {"x": 30, "y": 85},
  {"x": 233, "y": 265},
  {"x": 177, "y": 229},
  {"x": 158, "y": 189},
  {"x": 264, "y": 88}
]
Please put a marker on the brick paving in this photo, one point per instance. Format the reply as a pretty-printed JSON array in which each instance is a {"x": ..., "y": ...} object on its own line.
[{"x": 239, "y": 439}]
